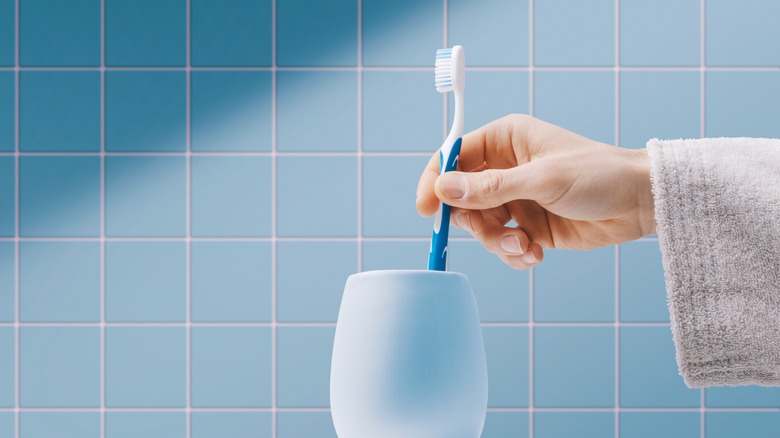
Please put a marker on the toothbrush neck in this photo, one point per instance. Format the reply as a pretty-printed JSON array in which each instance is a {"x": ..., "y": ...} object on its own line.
[{"x": 457, "y": 123}]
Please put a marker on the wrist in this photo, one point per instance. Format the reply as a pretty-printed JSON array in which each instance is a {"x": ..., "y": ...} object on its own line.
[{"x": 645, "y": 203}]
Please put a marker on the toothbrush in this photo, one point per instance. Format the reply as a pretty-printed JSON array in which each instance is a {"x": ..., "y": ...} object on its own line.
[{"x": 450, "y": 76}]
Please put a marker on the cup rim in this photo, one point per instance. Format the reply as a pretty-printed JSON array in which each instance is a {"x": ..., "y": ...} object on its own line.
[{"x": 407, "y": 273}]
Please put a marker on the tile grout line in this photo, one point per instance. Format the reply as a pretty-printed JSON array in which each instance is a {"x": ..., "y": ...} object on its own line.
[
  {"x": 531, "y": 271},
  {"x": 445, "y": 96},
  {"x": 17, "y": 234},
  {"x": 188, "y": 262},
  {"x": 103, "y": 218},
  {"x": 360, "y": 137},
  {"x": 702, "y": 131},
  {"x": 274, "y": 237},
  {"x": 312, "y": 324},
  {"x": 617, "y": 247},
  {"x": 248, "y": 238},
  {"x": 221, "y": 154},
  {"x": 407, "y": 69},
  {"x": 323, "y": 409}
]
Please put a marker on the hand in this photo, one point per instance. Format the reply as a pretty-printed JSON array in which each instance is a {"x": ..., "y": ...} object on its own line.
[{"x": 563, "y": 190}]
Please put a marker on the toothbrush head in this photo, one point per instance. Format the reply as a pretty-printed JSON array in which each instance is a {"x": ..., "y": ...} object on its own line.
[{"x": 450, "y": 70}]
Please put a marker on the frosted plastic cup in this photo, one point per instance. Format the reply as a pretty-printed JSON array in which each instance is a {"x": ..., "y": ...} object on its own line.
[{"x": 408, "y": 357}]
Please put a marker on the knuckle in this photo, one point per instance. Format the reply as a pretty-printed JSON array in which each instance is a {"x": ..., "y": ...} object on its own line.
[{"x": 492, "y": 183}]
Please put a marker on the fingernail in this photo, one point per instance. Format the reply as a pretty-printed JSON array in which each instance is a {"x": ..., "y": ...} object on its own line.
[
  {"x": 511, "y": 244},
  {"x": 453, "y": 186},
  {"x": 463, "y": 221},
  {"x": 530, "y": 258}
]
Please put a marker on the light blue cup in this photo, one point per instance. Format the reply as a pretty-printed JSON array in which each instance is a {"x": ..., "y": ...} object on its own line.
[{"x": 408, "y": 358}]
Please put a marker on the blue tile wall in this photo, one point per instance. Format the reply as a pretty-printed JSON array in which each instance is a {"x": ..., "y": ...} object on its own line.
[
  {"x": 185, "y": 186},
  {"x": 571, "y": 33},
  {"x": 752, "y": 424},
  {"x": 305, "y": 424},
  {"x": 574, "y": 367},
  {"x": 315, "y": 196},
  {"x": 585, "y": 293},
  {"x": 396, "y": 255},
  {"x": 7, "y": 424},
  {"x": 506, "y": 349},
  {"x": 648, "y": 371},
  {"x": 231, "y": 367},
  {"x": 506, "y": 44},
  {"x": 146, "y": 111},
  {"x": 313, "y": 295},
  {"x": 501, "y": 292},
  {"x": 7, "y": 33},
  {"x": 303, "y": 366},
  {"x": 7, "y": 106},
  {"x": 75, "y": 380},
  {"x": 7, "y": 196},
  {"x": 742, "y": 34},
  {"x": 394, "y": 37},
  {"x": 59, "y": 281},
  {"x": 658, "y": 105},
  {"x": 55, "y": 33},
  {"x": 61, "y": 424},
  {"x": 499, "y": 424},
  {"x": 314, "y": 33},
  {"x": 233, "y": 33},
  {"x": 231, "y": 196},
  {"x": 410, "y": 99},
  {"x": 642, "y": 288},
  {"x": 492, "y": 95},
  {"x": 325, "y": 103},
  {"x": 59, "y": 196},
  {"x": 742, "y": 397},
  {"x": 146, "y": 367},
  {"x": 660, "y": 32},
  {"x": 7, "y": 282},
  {"x": 7, "y": 367},
  {"x": 740, "y": 104},
  {"x": 146, "y": 424},
  {"x": 655, "y": 424},
  {"x": 146, "y": 33},
  {"x": 67, "y": 103},
  {"x": 231, "y": 111},
  {"x": 145, "y": 196},
  {"x": 231, "y": 281},
  {"x": 146, "y": 281},
  {"x": 560, "y": 424},
  {"x": 580, "y": 101},
  {"x": 243, "y": 424},
  {"x": 389, "y": 188}
]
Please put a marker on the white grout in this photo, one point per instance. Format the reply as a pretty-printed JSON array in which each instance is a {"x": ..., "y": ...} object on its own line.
[
  {"x": 392, "y": 68},
  {"x": 274, "y": 238},
  {"x": 17, "y": 234},
  {"x": 103, "y": 218},
  {"x": 617, "y": 247},
  {"x": 313, "y": 324},
  {"x": 322, "y": 409},
  {"x": 188, "y": 279},
  {"x": 531, "y": 272},
  {"x": 360, "y": 137},
  {"x": 702, "y": 133}
]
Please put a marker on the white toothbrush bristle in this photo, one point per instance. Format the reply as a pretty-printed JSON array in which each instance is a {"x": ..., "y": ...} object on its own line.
[{"x": 444, "y": 70}]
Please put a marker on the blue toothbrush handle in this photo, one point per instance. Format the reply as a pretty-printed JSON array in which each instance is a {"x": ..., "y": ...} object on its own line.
[{"x": 437, "y": 258}]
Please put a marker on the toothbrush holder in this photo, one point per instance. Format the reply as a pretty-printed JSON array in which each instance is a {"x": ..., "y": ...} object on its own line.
[{"x": 408, "y": 357}]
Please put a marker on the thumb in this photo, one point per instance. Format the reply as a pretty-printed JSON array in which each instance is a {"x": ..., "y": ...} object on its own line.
[{"x": 487, "y": 189}]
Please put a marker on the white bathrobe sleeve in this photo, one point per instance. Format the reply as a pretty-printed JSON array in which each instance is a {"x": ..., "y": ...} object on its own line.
[{"x": 717, "y": 207}]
